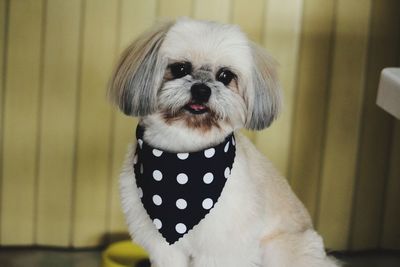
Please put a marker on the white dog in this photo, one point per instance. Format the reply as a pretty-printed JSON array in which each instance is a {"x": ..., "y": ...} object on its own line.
[{"x": 195, "y": 191}]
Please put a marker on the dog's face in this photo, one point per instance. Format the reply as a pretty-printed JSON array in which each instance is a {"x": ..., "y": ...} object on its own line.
[{"x": 201, "y": 76}]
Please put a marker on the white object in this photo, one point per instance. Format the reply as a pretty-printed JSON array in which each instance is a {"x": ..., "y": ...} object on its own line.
[{"x": 389, "y": 91}]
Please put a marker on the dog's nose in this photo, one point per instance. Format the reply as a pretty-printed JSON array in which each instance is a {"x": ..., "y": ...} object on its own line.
[{"x": 200, "y": 92}]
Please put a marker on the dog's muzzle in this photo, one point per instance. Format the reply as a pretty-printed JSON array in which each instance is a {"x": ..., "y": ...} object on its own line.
[{"x": 200, "y": 95}]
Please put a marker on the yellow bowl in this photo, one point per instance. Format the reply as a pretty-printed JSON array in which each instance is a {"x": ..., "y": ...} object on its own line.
[{"x": 123, "y": 254}]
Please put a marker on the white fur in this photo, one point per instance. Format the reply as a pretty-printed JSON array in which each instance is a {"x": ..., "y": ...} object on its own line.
[
  {"x": 258, "y": 220},
  {"x": 226, "y": 45}
]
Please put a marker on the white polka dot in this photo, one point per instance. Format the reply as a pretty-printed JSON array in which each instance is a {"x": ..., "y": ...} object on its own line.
[
  {"x": 209, "y": 152},
  {"x": 227, "y": 172},
  {"x": 226, "y": 147},
  {"x": 233, "y": 141},
  {"x": 180, "y": 228},
  {"x": 183, "y": 156},
  {"x": 140, "y": 142},
  {"x": 207, "y": 203},
  {"x": 157, "y": 152},
  {"x": 157, "y": 223},
  {"x": 208, "y": 178},
  {"x": 181, "y": 204},
  {"x": 141, "y": 168},
  {"x": 182, "y": 178},
  {"x": 157, "y": 175},
  {"x": 140, "y": 192},
  {"x": 135, "y": 159},
  {"x": 157, "y": 200}
]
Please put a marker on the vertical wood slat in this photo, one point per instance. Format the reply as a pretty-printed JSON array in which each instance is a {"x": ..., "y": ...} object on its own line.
[
  {"x": 241, "y": 12},
  {"x": 58, "y": 115},
  {"x": 376, "y": 132},
  {"x": 3, "y": 47},
  {"x": 94, "y": 133},
  {"x": 173, "y": 9},
  {"x": 135, "y": 17},
  {"x": 21, "y": 122},
  {"x": 311, "y": 100},
  {"x": 390, "y": 238},
  {"x": 281, "y": 38},
  {"x": 343, "y": 121},
  {"x": 216, "y": 10}
]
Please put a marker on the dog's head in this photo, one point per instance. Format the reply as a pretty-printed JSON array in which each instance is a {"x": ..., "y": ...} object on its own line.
[{"x": 197, "y": 75}]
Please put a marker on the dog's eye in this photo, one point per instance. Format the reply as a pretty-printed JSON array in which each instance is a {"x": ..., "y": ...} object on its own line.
[
  {"x": 225, "y": 76},
  {"x": 180, "y": 69}
]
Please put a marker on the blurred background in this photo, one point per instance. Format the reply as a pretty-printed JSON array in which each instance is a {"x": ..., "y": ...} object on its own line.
[{"x": 62, "y": 144}]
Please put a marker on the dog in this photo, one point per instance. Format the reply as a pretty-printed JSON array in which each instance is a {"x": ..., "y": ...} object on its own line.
[{"x": 194, "y": 84}]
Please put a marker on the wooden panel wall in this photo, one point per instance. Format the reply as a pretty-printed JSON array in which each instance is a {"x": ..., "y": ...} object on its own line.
[
  {"x": 98, "y": 47},
  {"x": 343, "y": 120},
  {"x": 219, "y": 10},
  {"x": 376, "y": 132},
  {"x": 312, "y": 89},
  {"x": 134, "y": 18},
  {"x": 62, "y": 144},
  {"x": 21, "y": 107},
  {"x": 282, "y": 26},
  {"x": 390, "y": 227},
  {"x": 3, "y": 26},
  {"x": 57, "y": 136}
]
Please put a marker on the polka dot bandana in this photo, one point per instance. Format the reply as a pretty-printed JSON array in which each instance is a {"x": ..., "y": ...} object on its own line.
[{"x": 179, "y": 189}]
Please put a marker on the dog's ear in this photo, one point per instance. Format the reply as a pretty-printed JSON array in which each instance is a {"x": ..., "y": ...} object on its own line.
[
  {"x": 139, "y": 74},
  {"x": 263, "y": 93}
]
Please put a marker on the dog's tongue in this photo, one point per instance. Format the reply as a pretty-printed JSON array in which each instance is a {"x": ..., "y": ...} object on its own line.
[{"x": 197, "y": 107}]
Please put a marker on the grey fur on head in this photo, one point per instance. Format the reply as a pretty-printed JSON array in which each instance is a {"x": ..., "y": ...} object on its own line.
[
  {"x": 264, "y": 98},
  {"x": 139, "y": 74}
]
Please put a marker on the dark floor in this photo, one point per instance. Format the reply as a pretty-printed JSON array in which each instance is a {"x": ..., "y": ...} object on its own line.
[
  {"x": 46, "y": 257},
  {"x": 370, "y": 258}
]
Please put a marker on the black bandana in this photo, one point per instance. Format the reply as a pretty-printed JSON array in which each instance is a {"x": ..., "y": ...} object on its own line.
[{"x": 179, "y": 189}]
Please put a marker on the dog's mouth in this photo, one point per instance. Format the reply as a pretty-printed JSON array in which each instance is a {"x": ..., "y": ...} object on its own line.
[
  {"x": 197, "y": 115},
  {"x": 196, "y": 108}
]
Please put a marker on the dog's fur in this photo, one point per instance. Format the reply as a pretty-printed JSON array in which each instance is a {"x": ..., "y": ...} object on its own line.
[{"x": 258, "y": 221}]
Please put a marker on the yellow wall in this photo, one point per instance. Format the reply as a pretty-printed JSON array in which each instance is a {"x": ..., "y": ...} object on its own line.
[{"x": 61, "y": 144}]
